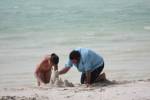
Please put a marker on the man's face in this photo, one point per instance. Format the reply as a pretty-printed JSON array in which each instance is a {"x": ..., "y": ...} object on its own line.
[{"x": 74, "y": 61}]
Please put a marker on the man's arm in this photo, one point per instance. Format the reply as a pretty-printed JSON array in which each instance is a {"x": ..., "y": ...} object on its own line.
[
  {"x": 88, "y": 78},
  {"x": 64, "y": 70}
]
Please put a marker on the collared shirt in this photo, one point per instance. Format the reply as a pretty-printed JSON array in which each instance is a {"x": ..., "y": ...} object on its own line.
[{"x": 89, "y": 60}]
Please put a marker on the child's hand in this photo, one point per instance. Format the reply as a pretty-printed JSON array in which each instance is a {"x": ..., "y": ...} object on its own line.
[{"x": 56, "y": 74}]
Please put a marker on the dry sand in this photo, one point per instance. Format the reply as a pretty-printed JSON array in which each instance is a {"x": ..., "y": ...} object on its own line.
[{"x": 133, "y": 90}]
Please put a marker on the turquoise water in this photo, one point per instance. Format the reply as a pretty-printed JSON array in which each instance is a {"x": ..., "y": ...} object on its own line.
[
  {"x": 119, "y": 30},
  {"x": 47, "y": 16}
]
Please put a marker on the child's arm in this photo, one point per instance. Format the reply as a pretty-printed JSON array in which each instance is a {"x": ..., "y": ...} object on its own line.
[
  {"x": 55, "y": 67},
  {"x": 37, "y": 73}
]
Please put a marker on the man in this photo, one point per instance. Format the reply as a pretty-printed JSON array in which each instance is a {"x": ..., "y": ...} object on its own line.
[
  {"x": 87, "y": 62},
  {"x": 44, "y": 69}
]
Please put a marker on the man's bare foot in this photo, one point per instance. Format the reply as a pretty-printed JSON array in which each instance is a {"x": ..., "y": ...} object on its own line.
[{"x": 101, "y": 77}]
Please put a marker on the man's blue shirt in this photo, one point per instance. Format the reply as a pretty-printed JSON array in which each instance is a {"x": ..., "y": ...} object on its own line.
[{"x": 89, "y": 60}]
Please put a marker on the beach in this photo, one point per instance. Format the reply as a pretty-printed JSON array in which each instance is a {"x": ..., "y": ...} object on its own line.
[
  {"x": 133, "y": 90},
  {"x": 118, "y": 30}
]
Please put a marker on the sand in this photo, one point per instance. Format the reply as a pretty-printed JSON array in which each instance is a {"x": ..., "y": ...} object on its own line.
[
  {"x": 126, "y": 90},
  {"x": 58, "y": 82}
]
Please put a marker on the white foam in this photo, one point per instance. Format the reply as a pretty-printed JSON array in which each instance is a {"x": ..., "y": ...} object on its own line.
[{"x": 147, "y": 27}]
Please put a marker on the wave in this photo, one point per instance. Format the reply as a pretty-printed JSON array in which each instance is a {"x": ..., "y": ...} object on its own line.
[{"x": 147, "y": 27}]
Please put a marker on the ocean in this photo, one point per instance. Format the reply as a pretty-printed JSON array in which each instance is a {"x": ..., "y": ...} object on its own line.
[{"x": 119, "y": 30}]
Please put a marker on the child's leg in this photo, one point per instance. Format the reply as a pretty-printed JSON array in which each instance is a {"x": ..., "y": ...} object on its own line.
[
  {"x": 40, "y": 78},
  {"x": 47, "y": 77}
]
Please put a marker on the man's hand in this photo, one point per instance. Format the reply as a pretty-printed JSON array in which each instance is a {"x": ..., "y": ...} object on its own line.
[{"x": 88, "y": 85}]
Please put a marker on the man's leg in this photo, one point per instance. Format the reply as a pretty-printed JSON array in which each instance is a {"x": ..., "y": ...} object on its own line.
[
  {"x": 95, "y": 74},
  {"x": 83, "y": 78},
  {"x": 101, "y": 77}
]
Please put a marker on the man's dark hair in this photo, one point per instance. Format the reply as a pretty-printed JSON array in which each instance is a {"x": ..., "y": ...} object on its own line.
[
  {"x": 54, "y": 58},
  {"x": 75, "y": 55}
]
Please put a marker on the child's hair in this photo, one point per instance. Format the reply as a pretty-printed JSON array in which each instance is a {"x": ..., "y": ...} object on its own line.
[{"x": 54, "y": 59}]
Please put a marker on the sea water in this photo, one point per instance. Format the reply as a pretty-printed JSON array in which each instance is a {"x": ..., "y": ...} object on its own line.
[{"x": 118, "y": 30}]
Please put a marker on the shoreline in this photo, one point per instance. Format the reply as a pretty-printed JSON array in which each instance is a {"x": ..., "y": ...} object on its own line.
[{"x": 133, "y": 90}]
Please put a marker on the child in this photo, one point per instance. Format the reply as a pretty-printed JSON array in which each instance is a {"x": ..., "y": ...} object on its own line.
[{"x": 44, "y": 69}]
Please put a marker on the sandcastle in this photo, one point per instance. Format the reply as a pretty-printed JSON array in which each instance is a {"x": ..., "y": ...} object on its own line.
[{"x": 58, "y": 82}]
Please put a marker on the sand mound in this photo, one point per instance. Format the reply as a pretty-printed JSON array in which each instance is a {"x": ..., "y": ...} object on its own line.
[{"x": 58, "y": 82}]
